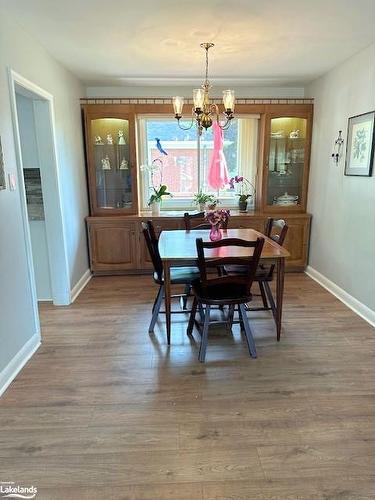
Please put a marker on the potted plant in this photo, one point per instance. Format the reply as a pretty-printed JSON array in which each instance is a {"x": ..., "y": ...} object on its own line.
[
  {"x": 158, "y": 190},
  {"x": 216, "y": 218},
  {"x": 157, "y": 197},
  {"x": 203, "y": 199},
  {"x": 246, "y": 191}
]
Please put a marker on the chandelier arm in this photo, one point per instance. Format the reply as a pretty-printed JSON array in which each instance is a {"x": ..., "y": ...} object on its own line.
[
  {"x": 226, "y": 123},
  {"x": 189, "y": 126}
]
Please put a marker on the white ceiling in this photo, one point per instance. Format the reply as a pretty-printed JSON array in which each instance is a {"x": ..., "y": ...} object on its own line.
[{"x": 140, "y": 42}]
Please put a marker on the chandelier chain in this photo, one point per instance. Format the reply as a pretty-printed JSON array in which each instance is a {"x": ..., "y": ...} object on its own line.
[{"x": 206, "y": 65}]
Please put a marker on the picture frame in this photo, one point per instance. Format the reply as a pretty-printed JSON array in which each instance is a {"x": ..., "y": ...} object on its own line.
[
  {"x": 2, "y": 169},
  {"x": 360, "y": 145}
]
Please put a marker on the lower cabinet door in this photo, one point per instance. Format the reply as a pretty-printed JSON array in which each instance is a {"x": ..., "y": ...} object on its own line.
[
  {"x": 297, "y": 243},
  {"x": 113, "y": 246}
]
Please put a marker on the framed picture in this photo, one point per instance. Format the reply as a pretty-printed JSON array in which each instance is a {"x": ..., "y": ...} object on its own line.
[
  {"x": 2, "y": 172},
  {"x": 360, "y": 145}
]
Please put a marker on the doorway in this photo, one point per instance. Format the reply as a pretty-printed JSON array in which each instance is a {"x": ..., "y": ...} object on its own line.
[{"x": 38, "y": 182}]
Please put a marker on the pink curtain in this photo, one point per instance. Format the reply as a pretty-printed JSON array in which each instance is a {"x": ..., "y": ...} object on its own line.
[{"x": 218, "y": 175}]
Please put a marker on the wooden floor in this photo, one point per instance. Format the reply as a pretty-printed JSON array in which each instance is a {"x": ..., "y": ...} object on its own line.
[{"x": 106, "y": 411}]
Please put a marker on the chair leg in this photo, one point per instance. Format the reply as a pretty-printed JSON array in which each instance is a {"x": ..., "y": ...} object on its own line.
[
  {"x": 263, "y": 294},
  {"x": 242, "y": 327},
  {"x": 230, "y": 317},
  {"x": 192, "y": 316},
  {"x": 249, "y": 335},
  {"x": 203, "y": 347},
  {"x": 201, "y": 311},
  {"x": 156, "y": 308},
  {"x": 156, "y": 299},
  {"x": 270, "y": 298},
  {"x": 187, "y": 293}
]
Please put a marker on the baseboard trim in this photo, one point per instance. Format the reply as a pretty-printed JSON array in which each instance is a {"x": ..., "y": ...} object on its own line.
[
  {"x": 16, "y": 364},
  {"x": 355, "y": 305},
  {"x": 80, "y": 285}
]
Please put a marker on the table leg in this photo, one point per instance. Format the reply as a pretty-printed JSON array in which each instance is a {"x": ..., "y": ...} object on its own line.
[
  {"x": 167, "y": 299},
  {"x": 279, "y": 294}
]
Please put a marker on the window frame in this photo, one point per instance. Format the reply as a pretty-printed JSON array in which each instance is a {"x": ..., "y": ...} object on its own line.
[{"x": 173, "y": 204}]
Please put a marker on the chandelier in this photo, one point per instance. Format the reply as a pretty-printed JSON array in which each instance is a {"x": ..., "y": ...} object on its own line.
[{"x": 204, "y": 111}]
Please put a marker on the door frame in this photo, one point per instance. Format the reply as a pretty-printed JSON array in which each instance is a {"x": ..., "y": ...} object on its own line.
[{"x": 55, "y": 229}]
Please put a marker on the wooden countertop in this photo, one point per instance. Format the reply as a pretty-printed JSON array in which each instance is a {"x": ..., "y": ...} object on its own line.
[{"x": 173, "y": 214}]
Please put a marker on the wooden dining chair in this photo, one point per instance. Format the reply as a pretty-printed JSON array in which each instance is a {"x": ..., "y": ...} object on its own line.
[
  {"x": 179, "y": 275},
  {"x": 195, "y": 221},
  {"x": 276, "y": 230},
  {"x": 190, "y": 219},
  {"x": 231, "y": 290}
]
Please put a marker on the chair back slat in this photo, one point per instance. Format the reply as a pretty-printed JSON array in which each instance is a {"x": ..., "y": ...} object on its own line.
[
  {"x": 189, "y": 219},
  {"x": 206, "y": 261},
  {"x": 276, "y": 229},
  {"x": 152, "y": 247}
]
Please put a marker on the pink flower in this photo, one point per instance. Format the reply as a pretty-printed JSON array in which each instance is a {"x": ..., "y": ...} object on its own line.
[{"x": 217, "y": 216}]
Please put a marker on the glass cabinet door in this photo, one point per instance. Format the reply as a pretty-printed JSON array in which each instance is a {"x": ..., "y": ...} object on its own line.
[
  {"x": 111, "y": 164},
  {"x": 286, "y": 162}
]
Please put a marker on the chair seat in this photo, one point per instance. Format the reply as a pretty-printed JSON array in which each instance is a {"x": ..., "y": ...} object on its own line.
[
  {"x": 181, "y": 275},
  {"x": 221, "y": 294},
  {"x": 262, "y": 272}
]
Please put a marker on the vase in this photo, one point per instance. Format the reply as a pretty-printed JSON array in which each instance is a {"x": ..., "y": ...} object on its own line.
[
  {"x": 202, "y": 207},
  {"x": 155, "y": 208},
  {"x": 215, "y": 232},
  {"x": 242, "y": 205}
]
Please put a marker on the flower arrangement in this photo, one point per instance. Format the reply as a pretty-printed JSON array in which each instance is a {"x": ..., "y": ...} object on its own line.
[
  {"x": 246, "y": 188},
  {"x": 216, "y": 218},
  {"x": 159, "y": 189}
]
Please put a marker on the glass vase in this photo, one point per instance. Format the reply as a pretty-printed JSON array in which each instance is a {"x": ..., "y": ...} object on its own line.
[{"x": 215, "y": 232}]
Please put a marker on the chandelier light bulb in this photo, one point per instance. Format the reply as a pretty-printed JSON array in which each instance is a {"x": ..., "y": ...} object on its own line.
[
  {"x": 228, "y": 100},
  {"x": 178, "y": 104},
  {"x": 198, "y": 98}
]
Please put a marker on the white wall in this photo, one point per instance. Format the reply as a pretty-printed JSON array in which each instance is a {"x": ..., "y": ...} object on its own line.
[
  {"x": 343, "y": 208},
  {"x": 186, "y": 91},
  {"x": 23, "y": 54}
]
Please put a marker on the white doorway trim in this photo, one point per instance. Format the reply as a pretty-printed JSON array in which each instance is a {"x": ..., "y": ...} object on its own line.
[{"x": 55, "y": 230}]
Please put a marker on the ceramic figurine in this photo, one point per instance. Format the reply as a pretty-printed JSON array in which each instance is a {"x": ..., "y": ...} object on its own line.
[
  {"x": 121, "y": 138},
  {"x": 124, "y": 165},
  {"x": 109, "y": 139},
  {"x": 294, "y": 134},
  {"x": 98, "y": 140},
  {"x": 106, "y": 165}
]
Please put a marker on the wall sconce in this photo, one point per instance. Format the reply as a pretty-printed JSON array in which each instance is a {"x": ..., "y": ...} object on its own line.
[{"x": 337, "y": 148}]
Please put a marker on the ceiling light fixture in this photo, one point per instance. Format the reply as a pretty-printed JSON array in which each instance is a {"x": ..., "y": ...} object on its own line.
[{"x": 204, "y": 111}]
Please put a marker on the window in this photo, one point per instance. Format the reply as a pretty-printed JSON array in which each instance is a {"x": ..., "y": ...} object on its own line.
[{"x": 180, "y": 170}]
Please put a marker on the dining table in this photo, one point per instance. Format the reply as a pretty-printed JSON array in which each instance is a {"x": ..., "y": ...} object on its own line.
[{"x": 177, "y": 248}]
